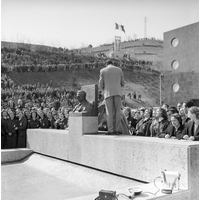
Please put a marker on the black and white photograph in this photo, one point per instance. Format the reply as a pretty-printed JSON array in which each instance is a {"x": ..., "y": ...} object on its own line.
[{"x": 99, "y": 99}]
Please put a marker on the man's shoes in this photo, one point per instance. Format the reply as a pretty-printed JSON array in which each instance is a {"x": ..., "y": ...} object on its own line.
[
  {"x": 118, "y": 133},
  {"x": 109, "y": 133},
  {"x": 114, "y": 133}
]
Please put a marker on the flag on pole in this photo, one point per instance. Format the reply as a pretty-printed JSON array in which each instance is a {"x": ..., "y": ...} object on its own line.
[
  {"x": 122, "y": 28},
  {"x": 116, "y": 26}
]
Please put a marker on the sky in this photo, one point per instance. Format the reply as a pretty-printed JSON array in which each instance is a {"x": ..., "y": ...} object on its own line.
[{"x": 80, "y": 23}]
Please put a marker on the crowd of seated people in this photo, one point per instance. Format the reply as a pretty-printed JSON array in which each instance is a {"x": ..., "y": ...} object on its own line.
[{"x": 25, "y": 61}]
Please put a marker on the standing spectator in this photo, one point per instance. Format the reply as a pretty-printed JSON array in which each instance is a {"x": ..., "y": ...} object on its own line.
[
  {"x": 11, "y": 104},
  {"x": 34, "y": 122},
  {"x": 20, "y": 104},
  {"x": 43, "y": 120},
  {"x": 134, "y": 95},
  {"x": 191, "y": 131},
  {"x": 11, "y": 131},
  {"x": 111, "y": 80},
  {"x": 175, "y": 128},
  {"x": 162, "y": 123},
  {"x": 165, "y": 106},
  {"x": 137, "y": 116},
  {"x": 4, "y": 119},
  {"x": 61, "y": 122},
  {"x": 130, "y": 120},
  {"x": 54, "y": 120},
  {"x": 184, "y": 116},
  {"x": 22, "y": 127},
  {"x": 179, "y": 105},
  {"x": 187, "y": 104},
  {"x": 171, "y": 111},
  {"x": 144, "y": 129},
  {"x": 50, "y": 119},
  {"x": 27, "y": 114}
]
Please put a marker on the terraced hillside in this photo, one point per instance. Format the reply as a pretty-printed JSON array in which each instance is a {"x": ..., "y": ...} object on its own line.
[{"x": 142, "y": 82}]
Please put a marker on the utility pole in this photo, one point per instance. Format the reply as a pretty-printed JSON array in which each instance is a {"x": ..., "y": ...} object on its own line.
[
  {"x": 145, "y": 27},
  {"x": 161, "y": 76}
]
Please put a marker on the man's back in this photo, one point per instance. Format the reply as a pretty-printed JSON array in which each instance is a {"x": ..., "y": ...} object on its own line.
[{"x": 111, "y": 80}]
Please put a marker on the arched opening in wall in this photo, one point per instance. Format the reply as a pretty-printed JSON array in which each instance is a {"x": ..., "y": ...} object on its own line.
[
  {"x": 174, "y": 42},
  {"x": 175, "y": 87},
  {"x": 175, "y": 64}
]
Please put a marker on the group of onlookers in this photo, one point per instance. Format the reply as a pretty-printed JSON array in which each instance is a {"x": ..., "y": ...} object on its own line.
[
  {"x": 180, "y": 122},
  {"x": 15, "y": 120},
  {"x": 24, "y": 61}
]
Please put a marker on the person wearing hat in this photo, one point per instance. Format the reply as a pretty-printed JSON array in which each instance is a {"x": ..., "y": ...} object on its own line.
[{"x": 111, "y": 80}]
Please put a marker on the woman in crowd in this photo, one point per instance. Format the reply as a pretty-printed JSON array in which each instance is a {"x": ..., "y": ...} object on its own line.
[
  {"x": 11, "y": 104},
  {"x": 43, "y": 119},
  {"x": 4, "y": 119},
  {"x": 27, "y": 114},
  {"x": 22, "y": 127},
  {"x": 11, "y": 131},
  {"x": 171, "y": 110},
  {"x": 50, "y": 119},
  {"x": 158, "y": 129},
  {"x": 191, "y": 131},
  {"x": 144, "y": 129},
  {"x": 54, "y": 120},
  {"x": 175, "y": 128},
  {"x": 130, "y": 120},
  {"x": 137, "y": 116},
  {"x": 140, "y": 120},
  {"x": 61, "y": 122},
  {"x": 34, "y": 121},
  {"x": 179, "y": 105},
  {"x": 184, "y": 117}
]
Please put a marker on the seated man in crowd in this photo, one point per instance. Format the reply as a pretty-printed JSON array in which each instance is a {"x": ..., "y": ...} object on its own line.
[{"x": 84, "y": 105}]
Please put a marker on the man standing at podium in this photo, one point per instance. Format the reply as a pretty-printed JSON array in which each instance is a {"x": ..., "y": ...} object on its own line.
[{"x": 111, "y": 80}]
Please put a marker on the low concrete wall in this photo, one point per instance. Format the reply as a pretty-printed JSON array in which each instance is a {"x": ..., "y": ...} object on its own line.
[
  {"x": 141, "y": 158},
  {"x": 50, "y": 142},
  {"x": 13, "y": 155}
]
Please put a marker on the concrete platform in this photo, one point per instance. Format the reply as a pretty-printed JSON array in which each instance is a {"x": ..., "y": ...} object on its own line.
[
  {"x": 40, "y": 177},
  {"x": 115, "y": 159},
  {"x": 140, "y": 158}
]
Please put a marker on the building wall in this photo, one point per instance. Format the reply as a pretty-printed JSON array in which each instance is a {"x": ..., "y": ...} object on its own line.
[{"x": 181, "y": 64}]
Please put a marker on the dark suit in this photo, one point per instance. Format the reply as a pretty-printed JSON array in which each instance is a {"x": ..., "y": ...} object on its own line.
[
  {"x": 175, "y": 133},
  {"x": 34, "y": 123},
  {"x": 23, "y": 125},
  {"x": 111, "y": 80},
  {"x": 3, "y": 132},
  {"x": 44, "y": 122},
  {"x": 189, "y": 130},
  {"x": 144, "y": 128},
  {"x": 11, "y": 140}
]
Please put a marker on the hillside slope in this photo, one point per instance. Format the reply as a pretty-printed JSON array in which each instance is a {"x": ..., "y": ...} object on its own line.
[{"x": 142, "y": 82}]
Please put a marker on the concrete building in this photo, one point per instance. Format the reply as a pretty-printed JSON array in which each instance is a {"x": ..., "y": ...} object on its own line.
[{"x": 181, "y": 64}]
